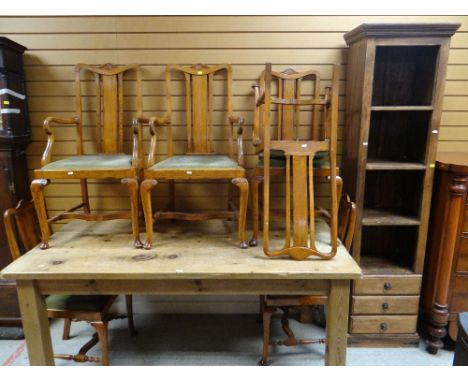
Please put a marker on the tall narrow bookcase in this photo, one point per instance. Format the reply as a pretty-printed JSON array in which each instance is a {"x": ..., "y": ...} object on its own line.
[{"x": 394, "y": 91}]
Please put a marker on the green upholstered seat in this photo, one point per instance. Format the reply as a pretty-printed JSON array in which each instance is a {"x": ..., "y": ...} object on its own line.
[
  {"x": 191, "y": 162},
  {"x": 278, "y": 160},
  {"x": 91, "y": 162},
  {"x": 88, "y": 303}
]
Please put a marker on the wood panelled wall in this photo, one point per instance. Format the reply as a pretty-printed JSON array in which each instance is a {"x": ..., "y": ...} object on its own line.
[{"x": 55, "y": 44}]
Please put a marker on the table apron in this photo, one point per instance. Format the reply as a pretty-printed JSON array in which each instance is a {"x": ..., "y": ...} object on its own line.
[{"x": 185, "y": 286}]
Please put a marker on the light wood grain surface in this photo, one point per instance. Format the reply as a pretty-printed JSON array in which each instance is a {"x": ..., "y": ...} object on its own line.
[{"x": 201, "y": 250}]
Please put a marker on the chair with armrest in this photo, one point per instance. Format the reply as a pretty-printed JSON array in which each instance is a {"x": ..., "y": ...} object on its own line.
[
  {"x": 200, "y": 160},
  {"x": 302, "y": 147},
  {"x": 103, "y": 108},
  {"x": 23, "y": 234}
]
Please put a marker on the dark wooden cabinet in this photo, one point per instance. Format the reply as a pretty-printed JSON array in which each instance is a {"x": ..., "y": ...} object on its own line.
[
  {"x": 394, "y": 92},
  {"x": 15, "y": 135},
  {"x": 445, "y": 286}
]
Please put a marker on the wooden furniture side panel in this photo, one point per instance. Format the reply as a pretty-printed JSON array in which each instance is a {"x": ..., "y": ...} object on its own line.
[
  {"x": 465, "y": 219},
  {"x": 462, "y": 261},
  {"x": 435, "y": 233},
  {"x": 459, "y": 298},
  {"x": 9, "y": 306},
  {"x": 432, "y": 139},
  {"x": 359, "y": 83}
]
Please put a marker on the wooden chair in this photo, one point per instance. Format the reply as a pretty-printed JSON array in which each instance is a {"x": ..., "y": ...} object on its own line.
[
  {"x": 23, "y": 234},
  {"x": 200, "y": 162},
  {"x": 297, "y": 152},
  {"x": 269, "y": 304},
  {"x": 109, "y": 161}
]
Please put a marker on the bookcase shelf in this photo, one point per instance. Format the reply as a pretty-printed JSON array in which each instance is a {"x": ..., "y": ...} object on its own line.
[
  {"x": 376, "y": 165},
  {"x": 375, "y": 217}
]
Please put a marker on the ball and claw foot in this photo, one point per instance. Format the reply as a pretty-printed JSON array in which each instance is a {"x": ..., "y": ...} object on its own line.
[
  {"x": 262, "y": 362},
  {"x": 137, "y": 244},
  {"x": 147, "y": 245},
  {"x": 44, "y": 246},
  {"x": 253, "y": 242},
  {"x": 431, "y": 349},
  {"x": 243, "y": 245}
]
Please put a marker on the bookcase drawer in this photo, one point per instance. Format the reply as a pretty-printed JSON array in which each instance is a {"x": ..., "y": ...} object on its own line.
[
  {"x": 385, "y": 305},
  {"x": 383, "y": 324},
  {"x": 387, "y": 286}
]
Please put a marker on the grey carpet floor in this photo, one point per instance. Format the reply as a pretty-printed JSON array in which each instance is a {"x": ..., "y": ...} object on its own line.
[{"x": 206, "y": 340}]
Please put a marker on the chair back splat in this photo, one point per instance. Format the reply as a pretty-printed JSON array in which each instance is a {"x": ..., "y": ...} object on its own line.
[{"x": 199, "y": 104}]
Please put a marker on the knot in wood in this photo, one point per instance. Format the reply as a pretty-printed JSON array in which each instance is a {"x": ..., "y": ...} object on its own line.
[{"x": 142, "y": 257}]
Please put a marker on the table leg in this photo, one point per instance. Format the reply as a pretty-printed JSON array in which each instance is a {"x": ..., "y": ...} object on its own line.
[
  {"x": 35, "y": 324},
  {"x": 337, "y": 323}
]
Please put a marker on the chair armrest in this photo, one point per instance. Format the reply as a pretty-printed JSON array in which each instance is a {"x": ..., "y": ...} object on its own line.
[
  {"x": 48, "y": 122},
  {"x": 239, "y": 121},
  {"x": 152, "y": 123}
]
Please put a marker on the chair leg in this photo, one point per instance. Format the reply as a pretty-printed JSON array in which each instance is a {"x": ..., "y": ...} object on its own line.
[
  {"x": 84, "y": 195},
  {"x": 172, "y": 195},
  {"x": 255, "y": 183},
  {"x": 267, "y": 313},
  {"x": 131, "y": 325},
  {"x": 243, "y": 186},
  {"x": 291, "y": 339},
  {"x": 261, "y": 308},
  {"x": 132, "y": 184},
  {"x": 37, "y": 191},
  {"x": 66, "y": 329},
  {"x": 101, "y": 330},
  {"x": 145, "y": 192},
  {"x": 229, "y": 198}
]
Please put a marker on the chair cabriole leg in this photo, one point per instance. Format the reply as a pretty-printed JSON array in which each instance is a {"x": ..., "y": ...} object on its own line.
[
  {"x": 145, "y": 192},
  {"x": 132, "y": 184},
  {"x": 243, "y": 186}
]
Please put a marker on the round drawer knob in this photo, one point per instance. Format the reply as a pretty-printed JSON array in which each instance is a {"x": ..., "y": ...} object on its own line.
[
  {"x": 385, "y": 306},
  {"x": 383, "y": 327},
  {"x": 387, "y": 286}
]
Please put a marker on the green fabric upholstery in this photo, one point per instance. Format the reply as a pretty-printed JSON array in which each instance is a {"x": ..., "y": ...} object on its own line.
[
  {"x": 87, "y": 303},
  {"x": 278, "y": 160},
  {"x": 183, "y": 162},
  {"x": 91, "y": 162}
]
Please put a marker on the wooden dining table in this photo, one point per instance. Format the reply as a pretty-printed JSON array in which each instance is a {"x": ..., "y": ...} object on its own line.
[{"x": 187, "y": 258}]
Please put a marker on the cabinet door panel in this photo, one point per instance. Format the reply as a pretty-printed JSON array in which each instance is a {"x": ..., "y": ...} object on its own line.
[
  {"x": 465, "y": 221},
  {"x": 459, "y": 301},
  {"x": 5, "y": 202},
  {"x": 462, "y": 263}
]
